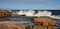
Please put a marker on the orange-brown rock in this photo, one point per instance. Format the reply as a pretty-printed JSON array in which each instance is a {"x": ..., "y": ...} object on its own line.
[
  {"x": 12, "y": 26},
  {"x": 38, "y": 27},
  {"x": 42, "y": 19},
  {"x": 5, "y": 13},
  {"x": 43, "y": 23},
  {"x": 42, "y": 27},
  {"x": 31, "y": 27},
  {"x": 46, "y": 21},
  {"x": 51, "y": 27}
]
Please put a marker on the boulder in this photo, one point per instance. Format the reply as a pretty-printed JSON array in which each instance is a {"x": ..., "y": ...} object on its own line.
[
  {"x": 45, "y": 21},
  {"x": 5, "y": 13}
]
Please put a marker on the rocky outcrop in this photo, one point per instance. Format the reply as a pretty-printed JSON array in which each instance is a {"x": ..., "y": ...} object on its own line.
[
  {"x": 5, "y": 13},
  {"x": 43, "y": 23},
  {"x": 12, "y": 26}
]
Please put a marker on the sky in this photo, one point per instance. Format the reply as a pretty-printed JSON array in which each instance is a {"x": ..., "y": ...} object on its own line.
[{"x": 29, "y": 4}]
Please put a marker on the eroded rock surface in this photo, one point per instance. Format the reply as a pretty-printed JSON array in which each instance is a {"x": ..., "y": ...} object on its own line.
[{"x": 5, "y": 13}]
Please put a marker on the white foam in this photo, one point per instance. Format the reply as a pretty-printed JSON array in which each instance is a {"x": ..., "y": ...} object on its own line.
[
  {"x": 30, "y": 13},
  {"x": 20, "y": 12},
  {"x": 43, "y": 13}
]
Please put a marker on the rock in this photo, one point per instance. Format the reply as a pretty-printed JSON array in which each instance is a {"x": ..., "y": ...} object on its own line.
[
  {"x": 52, "y": 22},
  {"x": 51, "y": 27},
  {"x": 45, "y": 21},
  {"x": 5, "y": 13},
  {"x": 12, "y": 26},
  {"x": 38, "y": 27}
]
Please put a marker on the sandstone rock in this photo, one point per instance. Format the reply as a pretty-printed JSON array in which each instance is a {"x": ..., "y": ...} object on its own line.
[
  {"x": 5, "y": 13},
  {"x": 38, "y": 27},
  {"x": 12, "y": 26},
  {"x": 51, "y": 27},
  {"x": 45, "y": 21}
]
